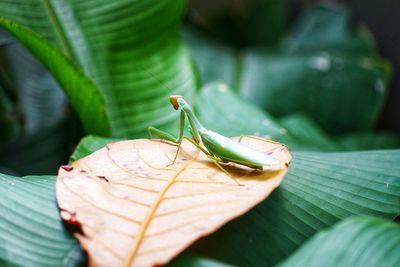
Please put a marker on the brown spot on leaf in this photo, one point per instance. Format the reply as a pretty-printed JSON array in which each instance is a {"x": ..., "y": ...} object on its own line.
[
  {"x": 67, "y": 168},
  {"x": 103, "y": 178},
  {"x": 70, "y": 217}
]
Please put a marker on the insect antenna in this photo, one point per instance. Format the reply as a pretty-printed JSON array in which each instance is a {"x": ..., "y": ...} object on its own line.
[{"x": 165, "y": 85}]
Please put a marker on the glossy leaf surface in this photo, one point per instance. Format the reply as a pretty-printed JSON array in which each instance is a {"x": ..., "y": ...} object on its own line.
[
  {"x": 364, "y": 242},
  {"x": 319, "y": 190},
  {"x": 130, "y": 49},
  {"x": 82, "y": 93},
  {"x": 339, "y": 92},
  {"x": 31, "y": 231}
]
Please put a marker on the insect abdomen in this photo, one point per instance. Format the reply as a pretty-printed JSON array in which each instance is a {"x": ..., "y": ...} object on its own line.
[{"x": 230, "y": 150}]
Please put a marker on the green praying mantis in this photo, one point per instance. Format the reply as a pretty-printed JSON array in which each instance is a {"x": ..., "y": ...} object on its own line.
[{"x": 218, "y": 148}]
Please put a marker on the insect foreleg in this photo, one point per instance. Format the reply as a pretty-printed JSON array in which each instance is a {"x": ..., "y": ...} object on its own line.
[
  {"x": 197, "y": 145},
  {"x": 180, "y": 138},
  {"x": 160, "y": 134},
  {"x": 193, "y": 135},
  {"x": 213, "y": 158},
  {"x": 166, "y": 136}
]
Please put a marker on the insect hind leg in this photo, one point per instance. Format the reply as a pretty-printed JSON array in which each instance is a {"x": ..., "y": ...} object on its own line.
[
  {"x": 217, "y": 161},
  {"x": 270, "y": 141},
  {"x": 257, "y": 138}
]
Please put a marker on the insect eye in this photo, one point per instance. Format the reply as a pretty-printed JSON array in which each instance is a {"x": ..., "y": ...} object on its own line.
[{"x": 174, "y": 101}]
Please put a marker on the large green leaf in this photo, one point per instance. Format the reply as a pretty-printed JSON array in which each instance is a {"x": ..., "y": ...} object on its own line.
[
  {"x": 31, "y": 231},
  {"x": 327, "y": 27},
  {"x": 308, "y": 135},
  {"x": 83, "y": 94},
  {"x": 323, "y": 69},
  {"x": 319, "y": 190},
  {"x": 364, "y": 242},
  {"x": 340, "y": 92},
  {"x": 131, "y": 50},
  {"x": 221, "y": 110},
  {"x": 207, "y": 52},
  {"x": 369, "y": 140}
]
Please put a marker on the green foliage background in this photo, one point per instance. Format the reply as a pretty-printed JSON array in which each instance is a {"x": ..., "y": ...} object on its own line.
[{"x": 105, "y": 70}]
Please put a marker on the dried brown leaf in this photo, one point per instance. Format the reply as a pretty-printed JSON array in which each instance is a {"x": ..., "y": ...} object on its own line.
[{"x": 135, "y": 209}]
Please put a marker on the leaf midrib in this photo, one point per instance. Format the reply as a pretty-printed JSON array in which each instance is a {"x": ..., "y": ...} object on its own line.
[
  {"x": 140, "y": 237},
  {"x": 58, "y": 29}
]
